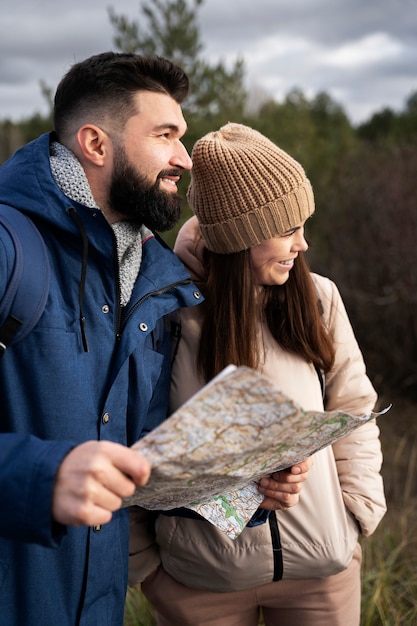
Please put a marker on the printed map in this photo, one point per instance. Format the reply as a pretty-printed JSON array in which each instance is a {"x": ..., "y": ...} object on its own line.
[{"x": 209, "y": 455}]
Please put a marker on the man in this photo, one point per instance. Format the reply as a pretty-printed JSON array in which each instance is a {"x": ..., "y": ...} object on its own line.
[{"x": 93, "y": 376}]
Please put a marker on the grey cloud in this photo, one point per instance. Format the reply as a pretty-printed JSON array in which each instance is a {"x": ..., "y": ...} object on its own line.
[{"x": 284, "y": 43}]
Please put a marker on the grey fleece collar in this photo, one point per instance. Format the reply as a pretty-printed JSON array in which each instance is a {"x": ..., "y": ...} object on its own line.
[{"x": 70, "y": 177}]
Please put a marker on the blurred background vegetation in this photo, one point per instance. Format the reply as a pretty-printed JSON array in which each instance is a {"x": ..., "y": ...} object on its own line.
[
  {"x": 364, "y": 231},
  {"x": 363, "y": 235}
]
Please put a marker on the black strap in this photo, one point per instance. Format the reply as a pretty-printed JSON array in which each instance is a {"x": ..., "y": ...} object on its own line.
[{"x": 276, "y": 547}]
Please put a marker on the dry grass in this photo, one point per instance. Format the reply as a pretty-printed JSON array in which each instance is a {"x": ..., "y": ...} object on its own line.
[
  {"x": 138, "y": 612},
  {"x": 389, "y": 587}
]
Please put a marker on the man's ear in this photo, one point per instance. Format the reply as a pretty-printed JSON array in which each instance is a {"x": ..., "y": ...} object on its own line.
[{"x": 94, "y": 144}]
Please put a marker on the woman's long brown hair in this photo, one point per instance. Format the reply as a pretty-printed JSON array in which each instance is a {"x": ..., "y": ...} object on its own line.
[{"x": 233, "y": 305}]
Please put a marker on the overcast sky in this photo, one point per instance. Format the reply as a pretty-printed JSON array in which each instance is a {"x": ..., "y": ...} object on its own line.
[{"x": 361, "y": 52}]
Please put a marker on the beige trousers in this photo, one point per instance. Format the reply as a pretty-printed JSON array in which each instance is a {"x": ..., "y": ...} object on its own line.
[{"x": 332, "y": 601}]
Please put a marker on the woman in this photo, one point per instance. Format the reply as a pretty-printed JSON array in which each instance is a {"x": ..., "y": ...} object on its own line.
[{"x": 263, "y": 308}]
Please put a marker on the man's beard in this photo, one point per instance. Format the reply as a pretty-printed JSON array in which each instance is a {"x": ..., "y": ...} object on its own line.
[{"x": 132, "y": 196}]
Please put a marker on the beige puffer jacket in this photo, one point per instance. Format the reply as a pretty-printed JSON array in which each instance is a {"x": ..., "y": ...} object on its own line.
[{"x": 342, "y": 497}]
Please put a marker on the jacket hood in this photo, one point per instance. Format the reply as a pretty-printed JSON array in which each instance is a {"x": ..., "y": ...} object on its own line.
[
  {"x": 26, "y": 182},
  {"x": 190, "y": 246}
]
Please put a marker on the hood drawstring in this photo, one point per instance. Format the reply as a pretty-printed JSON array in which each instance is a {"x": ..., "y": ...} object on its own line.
[{"x": 74, "y": 215}]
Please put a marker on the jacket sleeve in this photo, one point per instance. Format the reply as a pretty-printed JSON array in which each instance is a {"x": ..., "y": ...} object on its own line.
[
  {"x": 27, "y": 475},
  {"x": 143, "y": 550},
  {"x": 358, "y": 456},
  {"x": 28, "y": 465}
]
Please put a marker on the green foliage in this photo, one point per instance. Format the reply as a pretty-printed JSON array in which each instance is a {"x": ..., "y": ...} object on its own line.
[
  {"x": 11, "y": 138},
  {"x": 390, "y": 127},
  {"x": 35, "y": 126},
  {"x": 172, "y": 31},
  {"x": 315, "y": 132},
  {"x": 381, "y": 124},
  {"x": 14, "y": 135}
]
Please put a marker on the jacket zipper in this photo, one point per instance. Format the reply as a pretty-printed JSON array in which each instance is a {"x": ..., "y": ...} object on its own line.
[{"x": 158, "y": 292}]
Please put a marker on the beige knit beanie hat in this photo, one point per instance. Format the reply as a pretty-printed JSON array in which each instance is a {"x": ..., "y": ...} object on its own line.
[{"x": 244, "y": 189}]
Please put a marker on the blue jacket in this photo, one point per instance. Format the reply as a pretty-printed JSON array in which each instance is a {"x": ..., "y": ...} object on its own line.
[{"x": 54, "y": 394}]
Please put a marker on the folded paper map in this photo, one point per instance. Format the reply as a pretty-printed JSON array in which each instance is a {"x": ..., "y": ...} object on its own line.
[{"x": 209, "y": 455}]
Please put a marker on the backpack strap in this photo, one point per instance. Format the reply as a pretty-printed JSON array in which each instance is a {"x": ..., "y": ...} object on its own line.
[{"x": 28, "y": 287}]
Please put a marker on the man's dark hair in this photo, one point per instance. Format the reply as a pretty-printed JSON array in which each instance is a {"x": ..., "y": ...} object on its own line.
[{"x": 103, "y": 87}]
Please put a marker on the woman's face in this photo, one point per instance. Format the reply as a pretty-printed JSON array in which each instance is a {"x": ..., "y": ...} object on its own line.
[{"x": 273, "y": 259}]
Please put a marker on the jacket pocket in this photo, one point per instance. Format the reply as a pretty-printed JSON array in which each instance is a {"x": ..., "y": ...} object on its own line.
[
  {"x": 198, "y": 555},
  {"x": 318, "y": 535}
]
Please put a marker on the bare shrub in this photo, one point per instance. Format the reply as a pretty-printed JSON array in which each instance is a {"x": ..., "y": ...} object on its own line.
[{"x": 367, "y": 230}]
